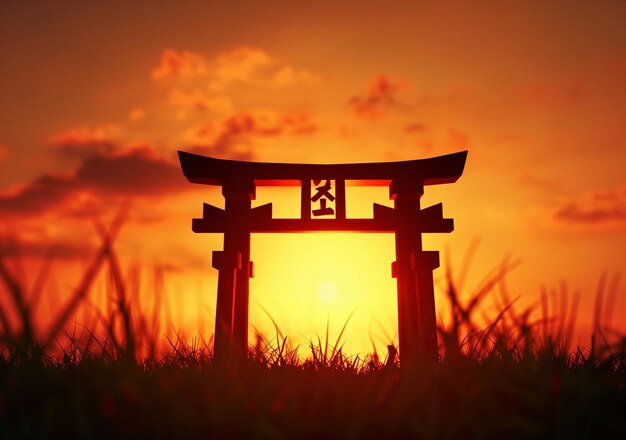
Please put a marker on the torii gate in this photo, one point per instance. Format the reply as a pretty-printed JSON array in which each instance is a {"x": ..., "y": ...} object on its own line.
[{"x": 325, "y": 210}]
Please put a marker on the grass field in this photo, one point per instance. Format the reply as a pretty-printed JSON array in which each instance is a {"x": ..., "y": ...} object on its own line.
[
  {"x": 542, "y": 394},
  {"x": 513, "y": 378}
]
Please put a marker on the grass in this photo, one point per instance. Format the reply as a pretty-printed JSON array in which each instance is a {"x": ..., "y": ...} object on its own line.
[{"x": 514, "y": 377}]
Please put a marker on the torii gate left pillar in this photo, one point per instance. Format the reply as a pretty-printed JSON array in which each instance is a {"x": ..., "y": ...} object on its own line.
[{"x": 235, "y": 270}]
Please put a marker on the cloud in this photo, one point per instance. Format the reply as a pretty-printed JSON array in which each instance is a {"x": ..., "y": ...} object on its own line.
[
  {"x": 137, "y": 171},
  {"x": 124, "y": 172},
  {"x": 415, "y": 127},
  {"x": 107, "y": 166},
  {"x": 288, "y": 76},
  {"x": 243, "y": 64},
  {"x": 200, "y": 85},
  {"x": 200, "y": 102},
  {"x": 429, "y": 139},
  {"x": 84, "y": 141},
  {"x": 231, "y": 136},
  {"x": 379, "y": 96},
  {"x": 37, "y": 196},
  {"x": 595, "y": 208},
  {"x": 180, "y": 65}
]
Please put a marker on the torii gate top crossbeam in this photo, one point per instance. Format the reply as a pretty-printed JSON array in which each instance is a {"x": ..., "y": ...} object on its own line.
[{"x": 431, "y": 171}]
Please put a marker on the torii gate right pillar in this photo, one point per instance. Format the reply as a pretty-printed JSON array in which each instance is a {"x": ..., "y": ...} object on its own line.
[{"x": 413, "y": 269}]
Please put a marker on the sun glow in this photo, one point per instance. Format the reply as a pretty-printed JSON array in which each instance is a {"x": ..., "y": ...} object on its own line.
[
  {"x": 305, "y": 282},
  {"x": 328, "y": 292}
]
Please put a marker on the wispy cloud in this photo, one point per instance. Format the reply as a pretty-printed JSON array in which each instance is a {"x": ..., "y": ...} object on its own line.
[
  {"x": 181, "y": 65},
  {"x": 415, "y": 127},
  {"x": 428, "y": 139},
  {"x": 232, "y": 136},
  {"x": 288, "y": 76},
  {"x": 595, "y": 208},
  {"x": 119, "y": 171},
  {"x": 135, "y": 171},
  {"x": 243, "y": 64},
  {"x": 84, "y": 141},
  {"x": 382, "y": 94},
  {"x": 197, "y": 101},
  {"x": 37, "y": 196},
  {"x": 199, "y": 86}
]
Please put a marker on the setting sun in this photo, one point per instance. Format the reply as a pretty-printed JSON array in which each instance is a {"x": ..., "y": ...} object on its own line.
[
  {"x": 325, "y": 278},
  {"x": 328, "y": 292}
]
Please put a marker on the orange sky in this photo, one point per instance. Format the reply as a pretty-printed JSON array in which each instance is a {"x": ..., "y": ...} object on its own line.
[{"x": 95, "y": 99}]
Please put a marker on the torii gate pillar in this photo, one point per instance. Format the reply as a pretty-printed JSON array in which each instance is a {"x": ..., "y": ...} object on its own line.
[
  {"x": 406, "y": 195},
  {"x": 235, "y": 270}
]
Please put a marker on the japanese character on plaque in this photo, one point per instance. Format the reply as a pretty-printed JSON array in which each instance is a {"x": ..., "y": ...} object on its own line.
[{"x": 323, "y": 197}]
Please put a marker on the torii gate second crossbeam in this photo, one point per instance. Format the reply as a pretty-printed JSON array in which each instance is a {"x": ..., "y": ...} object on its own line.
[{"x": 325, "y": 210}]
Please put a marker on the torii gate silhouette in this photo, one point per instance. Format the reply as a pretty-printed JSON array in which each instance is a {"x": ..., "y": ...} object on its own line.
[{"x": 417, "y": 329}]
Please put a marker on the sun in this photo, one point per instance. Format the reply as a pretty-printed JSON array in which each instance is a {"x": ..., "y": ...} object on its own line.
[{"x": 328, "y": 292}]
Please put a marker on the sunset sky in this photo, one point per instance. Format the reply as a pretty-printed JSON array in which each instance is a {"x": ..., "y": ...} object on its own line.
[{"x": 97, "y": 97}]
